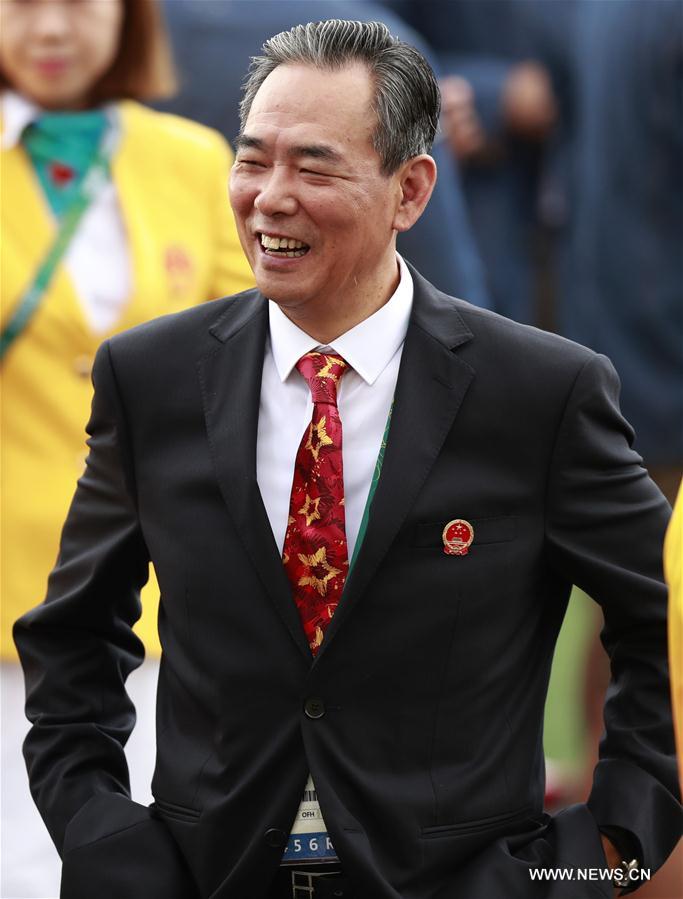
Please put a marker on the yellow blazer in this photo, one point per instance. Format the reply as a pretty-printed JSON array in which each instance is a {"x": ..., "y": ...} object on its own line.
[
  {"x": 673, "y": 568},
  {"x": 171, "y": 177}
]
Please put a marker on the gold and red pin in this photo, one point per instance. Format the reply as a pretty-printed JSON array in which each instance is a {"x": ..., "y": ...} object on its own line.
[{"x": 457, "y": 537}]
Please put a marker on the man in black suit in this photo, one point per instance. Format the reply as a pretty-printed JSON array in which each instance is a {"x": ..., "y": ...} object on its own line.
[{"x": 484, "y": 468}]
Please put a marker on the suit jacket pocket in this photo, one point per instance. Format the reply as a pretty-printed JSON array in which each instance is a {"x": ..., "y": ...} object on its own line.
[
  {"x": 493, "y": 822},
  {"x": 503, "y": 866},
  {"x": 501, "y": 529},
  {"x": 183, "y": 813}
]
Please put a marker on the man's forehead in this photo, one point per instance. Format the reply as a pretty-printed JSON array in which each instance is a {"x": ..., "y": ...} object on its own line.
[
  {"x": 303, "y": 92},
  {"x": 356, "y": 71}
]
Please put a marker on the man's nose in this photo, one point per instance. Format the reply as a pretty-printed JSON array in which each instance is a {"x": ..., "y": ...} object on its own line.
[{"x": 277, "y": 195}]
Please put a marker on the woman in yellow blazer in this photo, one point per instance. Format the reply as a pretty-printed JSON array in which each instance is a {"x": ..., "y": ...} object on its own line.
[
  {"x": 153, "y": 235},
  {"x": 170, "y": 181}
]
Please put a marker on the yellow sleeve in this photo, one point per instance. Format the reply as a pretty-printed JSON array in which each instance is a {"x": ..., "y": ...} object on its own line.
[
  {"x": 673, "y": 568},
  {"x": 231, "y": 271}
]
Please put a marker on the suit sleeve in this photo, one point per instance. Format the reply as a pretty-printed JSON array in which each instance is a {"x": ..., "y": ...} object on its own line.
[
  {"x": 605, "y": 528},
  {"x": 77, "y": 648}
]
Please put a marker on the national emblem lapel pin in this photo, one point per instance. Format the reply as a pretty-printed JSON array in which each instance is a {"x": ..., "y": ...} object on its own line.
[{"x": 457, "y": 537}]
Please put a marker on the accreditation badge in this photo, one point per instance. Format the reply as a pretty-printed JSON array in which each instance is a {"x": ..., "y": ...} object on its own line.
[{"x": 309, "y": 840}]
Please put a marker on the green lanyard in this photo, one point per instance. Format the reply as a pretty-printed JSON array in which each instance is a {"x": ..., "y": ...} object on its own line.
[
  {"x": 371, "y": 493},
  {"x": 93, "y": 181}
]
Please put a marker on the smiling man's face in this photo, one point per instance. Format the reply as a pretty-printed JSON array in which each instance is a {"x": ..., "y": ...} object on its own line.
[{"x": 314, "y": 211}]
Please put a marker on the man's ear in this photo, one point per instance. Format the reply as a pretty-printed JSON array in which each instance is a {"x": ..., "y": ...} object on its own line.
[{"x": 417, "y": 178}]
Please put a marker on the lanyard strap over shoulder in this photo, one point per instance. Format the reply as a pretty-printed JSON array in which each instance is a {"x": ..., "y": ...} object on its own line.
[{"x": 371, "y": 493}]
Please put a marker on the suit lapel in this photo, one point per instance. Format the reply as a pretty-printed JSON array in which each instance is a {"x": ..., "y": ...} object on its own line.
[
  {"x": 432, "y": 382},
  {"x": 230, "y": 379}
]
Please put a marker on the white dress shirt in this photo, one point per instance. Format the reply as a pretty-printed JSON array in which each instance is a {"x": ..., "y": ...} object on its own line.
[
  {"x": 98, "y": 258},
  {"x": 373, "y": 351}
]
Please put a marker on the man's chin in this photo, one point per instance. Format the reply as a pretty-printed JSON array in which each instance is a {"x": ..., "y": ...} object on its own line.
[{"x": 281, "y": 289}]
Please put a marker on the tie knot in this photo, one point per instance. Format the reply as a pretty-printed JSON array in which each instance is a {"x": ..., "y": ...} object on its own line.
[{"x": 323, "y": 371}]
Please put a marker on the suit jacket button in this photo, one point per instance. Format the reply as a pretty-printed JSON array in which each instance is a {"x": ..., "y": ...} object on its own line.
[
  {"x": 275, "y": 838},
  {"x": 314, "y": 707}
]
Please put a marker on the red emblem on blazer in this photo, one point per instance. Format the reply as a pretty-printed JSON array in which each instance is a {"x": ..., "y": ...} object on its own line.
[
  {"x": 457, "y": 537},
  {"x": 179, "y": 268}
]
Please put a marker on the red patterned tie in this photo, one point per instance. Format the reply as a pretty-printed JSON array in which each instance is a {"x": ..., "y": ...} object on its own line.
[{"x": 315, "y": 554}]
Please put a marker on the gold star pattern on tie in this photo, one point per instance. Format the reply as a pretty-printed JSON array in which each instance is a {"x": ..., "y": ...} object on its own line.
[
  {"x": 316, "y": 566},
  {"x": 321, "y": 436},
  {"x": 310, "y": 509}
]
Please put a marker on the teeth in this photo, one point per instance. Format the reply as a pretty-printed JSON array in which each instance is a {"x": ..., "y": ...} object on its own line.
[{"x": 281, "y": 243}]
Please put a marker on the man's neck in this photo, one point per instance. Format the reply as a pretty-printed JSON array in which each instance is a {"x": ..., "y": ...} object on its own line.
[{"x": 330, "y": 322}]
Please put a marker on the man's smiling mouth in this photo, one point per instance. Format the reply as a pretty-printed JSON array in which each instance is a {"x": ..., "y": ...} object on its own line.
[{"x": 283, "y": 246}]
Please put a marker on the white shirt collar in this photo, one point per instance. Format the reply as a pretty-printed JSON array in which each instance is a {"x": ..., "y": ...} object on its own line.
[
  {"x": 17, "y": 114},
  {"x": 368, "y": 347}
]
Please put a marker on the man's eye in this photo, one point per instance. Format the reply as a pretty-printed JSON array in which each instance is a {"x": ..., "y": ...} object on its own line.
[
  {"x": 254, "y": 163},
  {"x": 315, "y": 172}
]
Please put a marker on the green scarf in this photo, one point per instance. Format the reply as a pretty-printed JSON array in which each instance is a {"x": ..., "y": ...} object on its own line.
[{"x": 61, "y": 146}]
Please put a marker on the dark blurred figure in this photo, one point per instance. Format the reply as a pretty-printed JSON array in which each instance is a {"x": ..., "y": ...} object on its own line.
[
  {"x": 500, "y": 108},
  {"x": 568, "y": 120},
  {"x": 622, "y": 267},
  {"x": 213, "y": 42}
]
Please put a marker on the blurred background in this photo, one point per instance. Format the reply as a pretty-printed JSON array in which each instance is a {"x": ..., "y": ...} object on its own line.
[{"x": 559, "y": 204}]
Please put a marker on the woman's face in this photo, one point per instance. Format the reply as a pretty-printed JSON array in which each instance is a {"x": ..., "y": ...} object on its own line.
[{"x": 54, "y": 51}]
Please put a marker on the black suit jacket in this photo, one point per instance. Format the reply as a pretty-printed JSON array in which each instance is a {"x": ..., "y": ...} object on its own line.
[{"x": 428, "y": 758}]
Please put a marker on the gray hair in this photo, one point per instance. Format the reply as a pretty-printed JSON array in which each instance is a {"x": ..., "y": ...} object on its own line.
[{"x": 406, "y": 100}]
